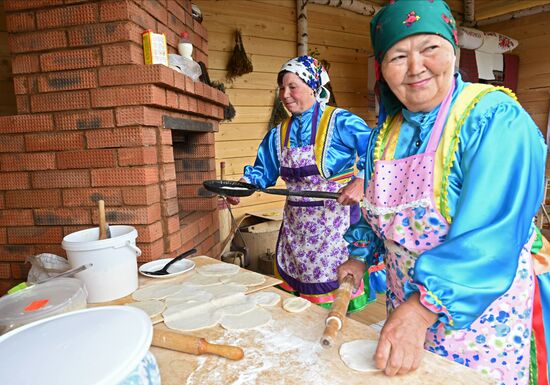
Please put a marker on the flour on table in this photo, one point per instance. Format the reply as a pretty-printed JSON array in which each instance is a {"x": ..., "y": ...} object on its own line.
[
  {"x": 252, "y": 319},
  {"x": 152, "y": 307},
  {"x": 296, "y": 304},
  {"x": 265, "y": 298},
  {"x": 246, "y": 278},
  {"x": 358, "y": 355},
  {"x": 155, "y": 292},
  {"x": 218, "y": 269}
]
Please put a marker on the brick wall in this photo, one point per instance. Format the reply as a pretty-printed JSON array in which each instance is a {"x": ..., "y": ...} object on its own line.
[{"x": 91, "y": 125}]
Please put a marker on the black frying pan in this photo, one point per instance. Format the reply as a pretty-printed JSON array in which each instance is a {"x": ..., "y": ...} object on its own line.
[{"x": 240, "y": 189}]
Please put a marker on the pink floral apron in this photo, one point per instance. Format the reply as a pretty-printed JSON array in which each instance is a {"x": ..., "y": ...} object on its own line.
[
  {"x": 311, "y": 245},
  {"x": 401, "y": 210}
]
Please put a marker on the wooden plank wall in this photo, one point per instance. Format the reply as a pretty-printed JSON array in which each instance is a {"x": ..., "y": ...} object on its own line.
[
  {"x": 533, "y": 35},
  {"x": 7, "y": 101},
  {"x": 268, "y": 29}
]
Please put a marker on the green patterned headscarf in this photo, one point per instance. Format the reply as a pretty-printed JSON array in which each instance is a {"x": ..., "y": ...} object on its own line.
[{"x": 403, "y": 18}]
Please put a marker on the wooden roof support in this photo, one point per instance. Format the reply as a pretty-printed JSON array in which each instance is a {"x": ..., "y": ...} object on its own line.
[
  {"x": 514, "y": 15},
  {"x": 301, "y": 24},
  {"x": 364, "y": 8},
  {"x": 469, "y": 12}
]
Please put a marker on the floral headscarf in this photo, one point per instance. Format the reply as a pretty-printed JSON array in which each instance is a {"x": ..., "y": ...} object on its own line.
[{"x": 311, "y": 71}]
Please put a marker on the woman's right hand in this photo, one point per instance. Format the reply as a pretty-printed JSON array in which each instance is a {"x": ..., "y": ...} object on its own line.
[
  {"x": 233, "y": 200},
  {"x": 352, "y": 267}
]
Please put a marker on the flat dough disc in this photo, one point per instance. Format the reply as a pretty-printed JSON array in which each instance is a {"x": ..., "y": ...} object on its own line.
[
  {"x": 189, "y": 324},
  {"x": 218, "y": 269},
  {"x": 246, "y": 278},
  {"x": 152, "y": 308},
  {"x": 238, "y": 309},
  {"x": 156, "y": 292},
  {"x": 358, "y": 355},
  {"x": 249, "y": 320},
  {"x": 296, "y": 304},
  {"x": 201, "y": 280},
  {"x": 265, "y": 298}
]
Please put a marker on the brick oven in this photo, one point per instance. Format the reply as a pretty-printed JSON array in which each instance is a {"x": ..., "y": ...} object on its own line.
[{"x": 94, "y": 122}]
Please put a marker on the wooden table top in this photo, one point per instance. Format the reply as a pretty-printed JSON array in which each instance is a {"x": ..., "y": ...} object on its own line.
[{"x": 287, "y": 351}]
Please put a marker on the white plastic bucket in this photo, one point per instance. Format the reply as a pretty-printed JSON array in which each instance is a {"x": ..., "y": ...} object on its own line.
[{"x": 114, "y": 271}]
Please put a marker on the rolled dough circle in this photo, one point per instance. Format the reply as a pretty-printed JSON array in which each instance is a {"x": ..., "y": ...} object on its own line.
[
  {"x": 247, "y": 279},
  {"x": 296, "y": 304},
  {"x": 249, "y": 320},
  {"x": 152, "y": 307},
  {"x": 358, "y": 355},
  {"x": 218, "y": 269},
  {"x": 265, "y": 298}
]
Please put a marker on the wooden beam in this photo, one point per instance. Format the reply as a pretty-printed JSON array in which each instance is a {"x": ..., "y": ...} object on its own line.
[
  {"x": 361, "y": 7},
  {"x": 469, "y": 12},
  {"x": 514, "y": 15},
  {"x": 487, "y": 9},
  {"x": 301, "y": 24}
]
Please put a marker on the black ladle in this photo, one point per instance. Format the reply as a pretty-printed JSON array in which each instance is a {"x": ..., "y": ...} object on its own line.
[
  {"x": 241, "y": 189},
  {"x": 164, "y": 269}
]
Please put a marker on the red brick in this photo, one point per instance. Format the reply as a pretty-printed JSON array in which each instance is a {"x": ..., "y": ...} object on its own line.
[
  {"x": 183, "y": 102},
  {"x": 10, "y": 253},
  {"x": 70, "y": 59},
  {"x": 121, "y": 137},
  {"x": 23, "y": 104},
  {"x": 12, "y": 143},
  {"x": 14, "y": 181},
  {"x": 142, "y": 195},
  {"x": 189, "y": 204},
  {"x": 67, "y": 80},
  {"x": 141, "y": 17},
  {"x": 27, "y": 162},
  {"x": 20, "y": 270},
  {"x": 166, "y": 138},
  {"x": 200, "y": 56},
  {"x": 104, "y": 33},
  {"x": 14, "y": 5},
  {"x": 167, "y": 172},
  {"x": 171, "y": 99},
  {"x": 20, "y": 85},
  {"x": 26, "y": 123},
  {"x": 62, "y": 216},
  {"x": 157, "y": 10},
  {"x": 137, "y": 156},
  {"x": 189, "y": 85},
  {"x": 124, "y": 53},
  {"x": 17, "y": 217},
  {"x": 126, "y": 116},
  {"x": 170, "y": 207},
  {"x": 86, "y": 159},
  {"x": 179, "y": 81},
  {"x": 135, "y": 176},
  {"x": 20, "y": 22},
  {"x": 172, "y": 242},
  {"x": 24, "y": 64},
  {"x": 169, "y": 190},
  {"x": 172, "y": 224},
  {"x": 56, "y": 141},
  {"x": 149, "y": 233},
  {"x": 5, "y": 271},
  {"x": 84, "y": 120},
  {"x": 61, "y": 179},
  {"x": 114, "y": 10},
  {"x": 37, "y": 41},
  {"x": 136, "y": 74},
  {"x": 133, "y": 215},
  {"x": 176, "y": 9},
  {"x": 89, "y": 197},
  {"x": 193, "y": 105},
  {"x": 175, "y": 24},
  {"x": 33, "y": 199},
  {"x": 127, "y": 96},
  {"x": 151, "y": 251},
  {"x": 200, "y": 30},
  {"x": 34, "y": 235},
  {"x": 189, "y": 231},
  {"x": 67, "y": 16},
  {"x": 60, "y": 101}
]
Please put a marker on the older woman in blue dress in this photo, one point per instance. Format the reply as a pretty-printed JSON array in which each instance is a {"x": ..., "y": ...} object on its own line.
[
  {"x": 315, "y": 149},
  {"x": 454, "y": 177}
]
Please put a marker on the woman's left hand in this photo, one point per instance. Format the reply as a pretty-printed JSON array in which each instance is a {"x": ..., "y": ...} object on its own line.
[
  {"x": 352, "y": 193},
  {"x": 401, "y": 344}
]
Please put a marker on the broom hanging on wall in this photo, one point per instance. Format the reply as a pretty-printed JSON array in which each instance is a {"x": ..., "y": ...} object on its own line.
[
  {"x": 239, "y": 63},
  {"x": 278, "y": 113}
]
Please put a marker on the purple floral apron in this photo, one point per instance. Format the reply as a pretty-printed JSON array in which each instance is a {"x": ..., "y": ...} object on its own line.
[
  {"x": 311, "y": 245},
  {"x": 401, "y": 210}
]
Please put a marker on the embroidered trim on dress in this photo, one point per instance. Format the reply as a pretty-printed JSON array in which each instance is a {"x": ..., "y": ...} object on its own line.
[
  {"x": 423, "y": 202},
  {"x": 329, "y": 133},
  {"x": 434, "y": 304}
]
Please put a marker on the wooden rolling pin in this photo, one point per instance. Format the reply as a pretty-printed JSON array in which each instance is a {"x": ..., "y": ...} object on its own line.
[
  {"x": 194, "y": 345},
  {"x": 335, "y": 319}
]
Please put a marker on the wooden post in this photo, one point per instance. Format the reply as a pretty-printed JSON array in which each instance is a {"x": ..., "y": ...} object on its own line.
[{"x": 301, "y": 20}]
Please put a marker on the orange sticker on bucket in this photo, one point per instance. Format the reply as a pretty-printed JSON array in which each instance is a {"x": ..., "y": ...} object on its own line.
[{"x": 36, "y": 305}]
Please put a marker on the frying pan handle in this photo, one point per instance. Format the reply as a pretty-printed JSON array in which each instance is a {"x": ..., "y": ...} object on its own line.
[{"x": 309, "y": 194}]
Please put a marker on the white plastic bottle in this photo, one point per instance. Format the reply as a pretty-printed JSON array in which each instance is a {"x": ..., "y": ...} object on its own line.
[{"x": 185, "y": 48}]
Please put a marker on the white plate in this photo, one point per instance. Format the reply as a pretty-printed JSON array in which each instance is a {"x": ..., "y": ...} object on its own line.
[{"x": 177, "y": 268}]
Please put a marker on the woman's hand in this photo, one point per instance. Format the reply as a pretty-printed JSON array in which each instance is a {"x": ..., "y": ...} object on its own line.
[
  {"x": 354, "y": 267},
  {"x": 401, "y": 344},
  {"x": 233, "y": 200},
  {"x": 352, "y": 193}
]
